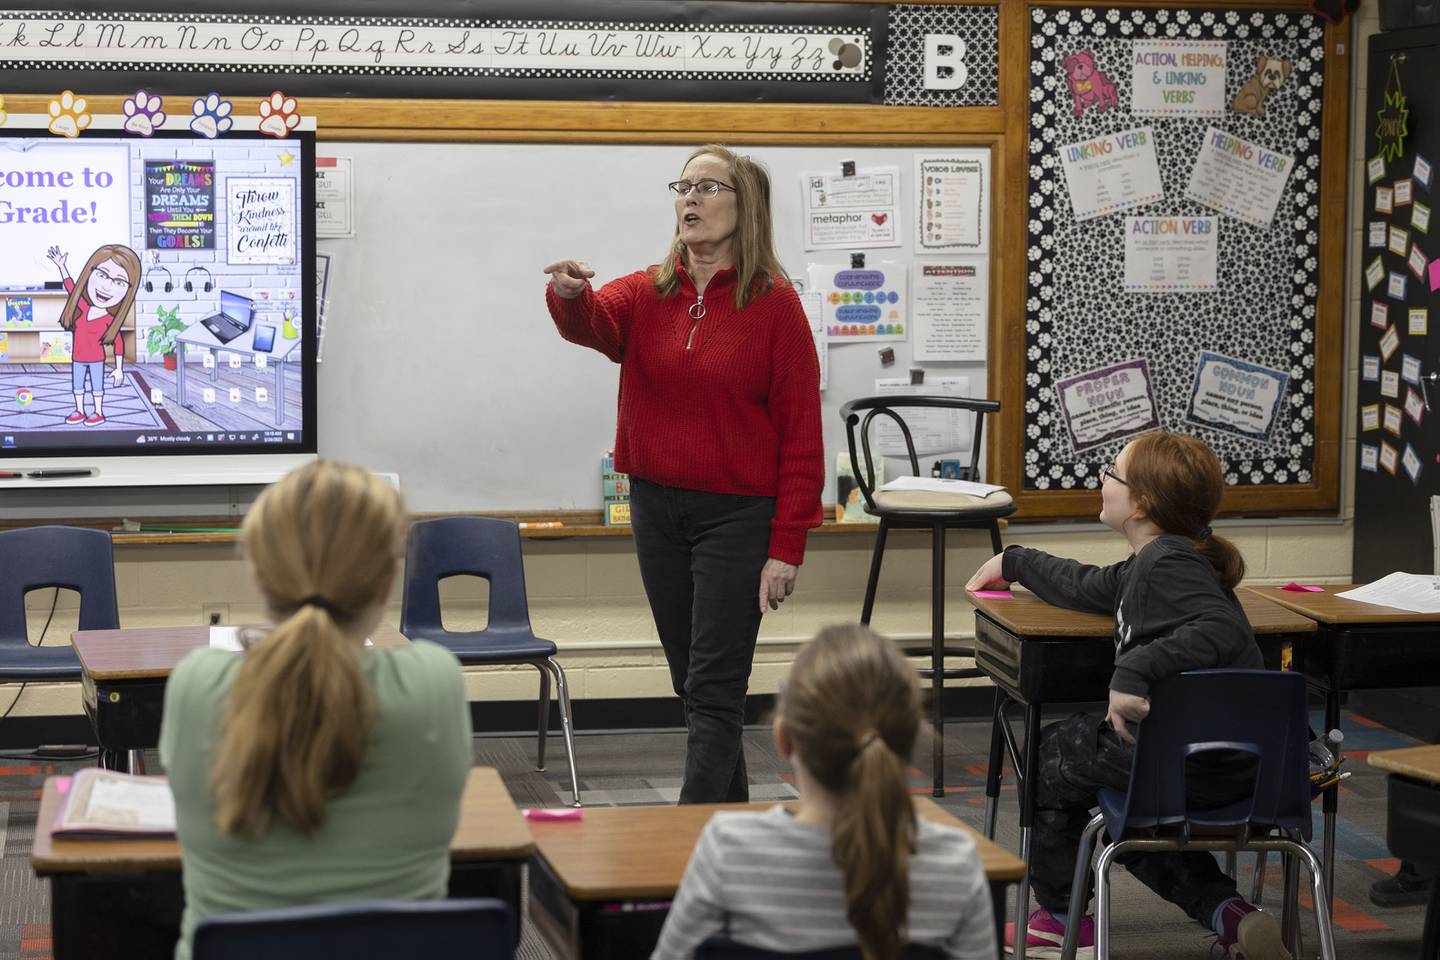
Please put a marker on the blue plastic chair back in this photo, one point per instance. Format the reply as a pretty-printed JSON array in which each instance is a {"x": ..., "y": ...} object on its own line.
[
  {"x": 475, "y": 546},
  {"x": 730, "y": 950},
  {"x": 33, "y": 558},
  {"x": 1259, "y": 712},
  {"x": 363, "y": 930}
]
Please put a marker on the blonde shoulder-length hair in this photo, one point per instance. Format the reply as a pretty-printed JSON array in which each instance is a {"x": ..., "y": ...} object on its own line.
[{"x": 756, "y": 266}]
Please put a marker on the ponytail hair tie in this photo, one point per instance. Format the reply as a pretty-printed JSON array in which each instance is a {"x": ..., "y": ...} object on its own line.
[
  {"x": 1202, "y": 535},
  {"x": 868, "y": 739},
  {"x": 315, "y": 600}
]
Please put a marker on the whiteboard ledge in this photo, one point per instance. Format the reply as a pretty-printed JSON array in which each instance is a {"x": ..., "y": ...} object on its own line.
[{"x": 179, "y": 471}]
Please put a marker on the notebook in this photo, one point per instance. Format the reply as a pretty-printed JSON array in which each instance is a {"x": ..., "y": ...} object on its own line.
[{"x": 108, "y": 804}]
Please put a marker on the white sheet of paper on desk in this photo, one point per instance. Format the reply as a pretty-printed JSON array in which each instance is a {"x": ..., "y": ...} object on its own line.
[
  {"x": 141, "y": 804},
  {"x": 936, "y": 485},
  {"x": 228, "y": 638},
  {"x": 1416, "y": 592}
]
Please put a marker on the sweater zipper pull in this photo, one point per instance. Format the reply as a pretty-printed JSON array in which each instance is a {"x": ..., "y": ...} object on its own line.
[{"x": 697, "y": 313}]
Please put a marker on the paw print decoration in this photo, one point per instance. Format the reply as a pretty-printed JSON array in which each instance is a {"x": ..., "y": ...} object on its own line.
[
  {"x": 144, "y": 113},
  {"x": 68, "y": 115},
  {"x": 279, "y": 114},
  {"x": 210, "y": 116}
]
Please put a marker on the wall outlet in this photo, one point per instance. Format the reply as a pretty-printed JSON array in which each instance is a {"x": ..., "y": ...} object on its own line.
[{"x": 215, "y": 613}]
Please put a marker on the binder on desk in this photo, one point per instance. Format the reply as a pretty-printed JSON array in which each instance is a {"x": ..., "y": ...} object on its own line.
[{"x": 105, "y": 804}]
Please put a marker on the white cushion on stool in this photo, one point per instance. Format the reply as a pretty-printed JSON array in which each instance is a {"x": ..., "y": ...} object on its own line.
[{"x": 927, "y": 501}]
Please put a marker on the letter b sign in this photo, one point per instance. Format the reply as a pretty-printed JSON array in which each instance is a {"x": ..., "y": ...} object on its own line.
[{"x": 944, "y": 62}]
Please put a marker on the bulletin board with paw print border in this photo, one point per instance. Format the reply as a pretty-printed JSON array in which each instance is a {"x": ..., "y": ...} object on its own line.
[{"x": 1279, "y": 294}]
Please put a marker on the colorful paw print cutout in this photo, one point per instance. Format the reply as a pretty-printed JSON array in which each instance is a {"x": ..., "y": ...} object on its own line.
[
  {"x": 210, "y": 116},
  {"x": 279, "y": 114},
  {"x": 68, "y": 115},
  {"x": 144, "y": 113}
]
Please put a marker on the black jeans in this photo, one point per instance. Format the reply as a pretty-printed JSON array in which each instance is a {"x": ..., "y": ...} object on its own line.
[
  {"x": 700, "y": 558},
  {"x": 1080, "y": 755}
]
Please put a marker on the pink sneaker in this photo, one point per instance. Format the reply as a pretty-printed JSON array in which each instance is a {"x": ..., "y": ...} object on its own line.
[
  {"x": 1045, "y": 935},
  {"x": 76, "y": 417},
  {"x": 94, "y": 420},
  {"x": 1249, "y": 933}
]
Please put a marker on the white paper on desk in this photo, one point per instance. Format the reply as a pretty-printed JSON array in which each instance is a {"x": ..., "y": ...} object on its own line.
[
  {"x": 938, "y": 485},
  {"x": 134, "y": 803},
  {"x": 1416, "y": 592},
  {"x": 228, "y": 639}
]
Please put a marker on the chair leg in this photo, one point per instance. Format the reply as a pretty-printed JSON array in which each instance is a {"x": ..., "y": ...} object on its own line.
[
  {"x": 542, "y": 722},
  {"x": 1230, "y": 869},
  {"x": 1102, "y": 903},
  {"x": 1079, "y": 885},
  {"x": 996, "y": 771},
  {"x": 562, "y": 689},
  {"x": 1430, "y": 940},
  {"x": 1257, "y": 883},
  {"x": 937, "y": 652},
  {"x": 995, "y": 544},
  {"x": 1322, "y": 902},
  {"x": 135, "y": 760},
  {"x": 873, "y": 582},
  {"x": 1290, "y": 897}
]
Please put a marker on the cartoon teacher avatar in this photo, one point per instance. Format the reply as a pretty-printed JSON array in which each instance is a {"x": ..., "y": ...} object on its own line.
[{"x": 99, "y": 302}]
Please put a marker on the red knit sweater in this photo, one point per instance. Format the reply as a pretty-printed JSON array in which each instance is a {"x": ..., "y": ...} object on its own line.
[{"x": 732, "y": 407}]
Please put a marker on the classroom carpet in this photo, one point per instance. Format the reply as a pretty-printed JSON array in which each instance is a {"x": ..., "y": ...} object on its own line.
[{"x": 641, "y": 767}]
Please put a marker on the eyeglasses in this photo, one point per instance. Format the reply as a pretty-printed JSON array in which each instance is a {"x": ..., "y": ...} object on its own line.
[
  {"x": 706, "y": 187},
  {"x": 1109, "y": 471},
  {"x": 111, "y": 278}
]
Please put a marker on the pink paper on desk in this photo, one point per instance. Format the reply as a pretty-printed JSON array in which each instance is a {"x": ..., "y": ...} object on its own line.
[
  {"x": 1434, "y": 275},
  {"x": 561, "y": 813},
  {"x": 1301, "y": 588},
  {"x": 62, "y": 785},
  {"x": 993, "y": 594}
]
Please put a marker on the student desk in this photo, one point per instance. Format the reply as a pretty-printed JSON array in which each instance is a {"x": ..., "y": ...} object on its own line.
[
  {"x": 1413, "y": 821},
  {"x": 600, "y": 887},
  {"x": 122, "y": 898},
  {"x": 1359, "y": 646},
  {"x": 1037, "y": 653},
  {"x": 123, "y": 675}
]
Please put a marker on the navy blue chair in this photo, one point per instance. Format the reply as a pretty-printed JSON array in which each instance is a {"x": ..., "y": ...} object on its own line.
[
  {"x": 362, "y": 930},
  {"x": 489, "y": 548},
  {"x": 730, "y": 950},
  {"x": 1257, "y": 712},
  {"x": 33, "y": 558}
]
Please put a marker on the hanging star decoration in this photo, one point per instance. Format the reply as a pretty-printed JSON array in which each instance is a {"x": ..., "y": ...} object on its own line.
[{"x": 1392, "y": 124}]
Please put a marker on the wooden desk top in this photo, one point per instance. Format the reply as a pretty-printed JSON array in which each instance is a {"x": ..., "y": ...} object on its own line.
[
  {"x": 1419, "y": 763},
  {"x": 640, "y": 852},
  {"x": 490, "y": 829},
  {"x": 1337, "y": 611},
  {"x": 139, "y": 653},
  {"x": 1028, "y": 615}
]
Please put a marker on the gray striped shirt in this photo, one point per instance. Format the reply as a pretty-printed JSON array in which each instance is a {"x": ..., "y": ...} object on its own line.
[{"x": 766, "y": 880}]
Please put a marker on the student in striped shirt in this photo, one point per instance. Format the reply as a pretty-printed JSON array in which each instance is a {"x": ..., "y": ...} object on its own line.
[{"x": 853, "y": 864}]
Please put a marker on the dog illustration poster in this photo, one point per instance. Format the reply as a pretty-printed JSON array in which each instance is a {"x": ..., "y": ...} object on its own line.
[
  {"x": 1270, "y": 75},
  {"x": 1239, "y": 178},
  {"x": 1089, "y": 88},
  {"x": 1108, "y": 403},
  {"x": 1236, "y": 396},
  {"x": 852, "y": 212},
  {"x": 1114, "y": 172},
  {"x": 1171, "y": 254},
  {"x": 1178, "y": 78},
  {"x": 863, "y": 304}
]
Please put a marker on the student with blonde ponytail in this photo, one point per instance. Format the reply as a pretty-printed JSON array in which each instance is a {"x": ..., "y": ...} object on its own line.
[
  {"x": 309, "y": 768},
  {"x": 1175, "y": 610},
  {"x": 853, "y": 865}
]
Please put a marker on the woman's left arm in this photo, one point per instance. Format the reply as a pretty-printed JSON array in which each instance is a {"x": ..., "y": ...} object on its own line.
[{"x": 794, "y": 405}]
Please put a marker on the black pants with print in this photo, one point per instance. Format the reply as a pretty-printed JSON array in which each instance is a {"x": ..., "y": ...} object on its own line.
[
  {"x": 700, "y": 558},
  {"x": 1080, "y": 755}
]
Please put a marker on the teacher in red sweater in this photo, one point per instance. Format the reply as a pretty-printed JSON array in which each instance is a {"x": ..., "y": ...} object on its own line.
[{"x": 719, "y": 429}]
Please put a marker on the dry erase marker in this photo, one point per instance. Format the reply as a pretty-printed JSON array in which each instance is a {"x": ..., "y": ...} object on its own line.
[
  {"x": 58, "y": 474},
  {"x": 11, "y": 475},
  {"x": 541, "y": 524}
]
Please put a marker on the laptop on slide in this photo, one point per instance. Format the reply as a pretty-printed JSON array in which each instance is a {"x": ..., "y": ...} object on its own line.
[{"x": 233, "y": 319}]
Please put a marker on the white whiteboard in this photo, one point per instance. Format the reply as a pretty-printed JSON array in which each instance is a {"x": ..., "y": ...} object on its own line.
[{"x": 441, "y": 362}]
